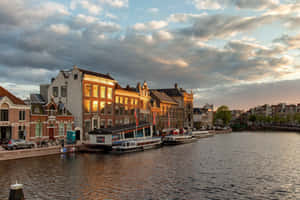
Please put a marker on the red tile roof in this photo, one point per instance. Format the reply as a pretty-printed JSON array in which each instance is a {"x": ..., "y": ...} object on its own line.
[{"x": 13, "y": 98}]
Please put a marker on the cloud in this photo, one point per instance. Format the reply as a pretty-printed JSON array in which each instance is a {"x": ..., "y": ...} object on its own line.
[
  {"x": 207, "y": 4},
  {"x": 152, "y": 25},
  {"x": 60, "y": 28},
  {"x": 164, "y": 35},
  {"x": 115, "y": 3},
  {"x": 92, "y": 8},
  {"x": 291, "y": 42}
]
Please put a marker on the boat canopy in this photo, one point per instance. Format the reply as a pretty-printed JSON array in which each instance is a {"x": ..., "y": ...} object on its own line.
[{"x": 118, "y": 129}]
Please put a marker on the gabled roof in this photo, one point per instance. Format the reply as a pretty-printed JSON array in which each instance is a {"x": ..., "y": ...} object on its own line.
[
  {"x": 163, "y": 97},
  {"x": 107, "y": 76},
  {"x": 13, "y": 98},
  {"x": 172, "y": 92},
  {"x": 37, "y": 99}
]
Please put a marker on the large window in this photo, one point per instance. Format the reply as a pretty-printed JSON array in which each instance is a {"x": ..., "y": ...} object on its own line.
[
  {"x": 117, "y": 99},
  {"x": 140, "y": 133},
  {"x": 38, "y": 129},
  {"x": 147, "y": 131},
  {"x": 95, "y": 123},
  {"x": 87, "y": 106},
  {"x": 87, "y": 90},
  {"x": 22, "y": 132},
  {"x": 121, "y": 100},
  {"x": 63, "y": 91},
  {"x": 3, "y": 115},
  {"x": 61, "y": 129},
  {"x": 109, "y": 93},
  {"x": 22, "y": 115},
  {"x": 55, "y": 91},
  {"x": 95, "y": 91},
  {"x": 129, "y": 135},
  {"x": 95, "y": 106},
  {"x": 102, "y": 123},
  {"x": 102, "y": 90},
  {"x": 126, "y": 100},
  {"x": 102, "y": 107},
  {"x": 109, "y": 108}
]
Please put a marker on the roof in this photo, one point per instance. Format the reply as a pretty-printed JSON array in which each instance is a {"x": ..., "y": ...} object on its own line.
[
  {"x": 107, "y": 76},
  {"x": 163, "y": 97},
  {"x": 172, "y": 92},
  {"x": 37, "y": 99},
  {"x": 118, "y": 129},
  {"x": 13, "y": 98}
]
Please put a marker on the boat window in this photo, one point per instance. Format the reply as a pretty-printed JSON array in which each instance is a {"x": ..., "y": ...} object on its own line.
[
  {"x": 129, "y": 135},
  {"x": 147, "y": 131},
  {"x": 140, "y": 133}
]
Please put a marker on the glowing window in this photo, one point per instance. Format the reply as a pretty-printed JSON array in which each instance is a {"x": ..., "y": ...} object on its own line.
[
  {"x": 95, "y": 106},
  {"x": 87, "y": 90},
  {"x": 121, "y": 100},
  {"x": 95, "y": 90},
  {"x": 117, "y": 99},
  {"x": 87, "y": 105},
  {"x": 126, "y": 100},
  {"x": 102, "y": 91},
  {"x": 109, "y": 93},
  {"x": 102, "y": 106}
]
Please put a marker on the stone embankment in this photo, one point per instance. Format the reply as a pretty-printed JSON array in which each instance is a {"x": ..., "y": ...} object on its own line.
[{"x": 35, "y": 152}]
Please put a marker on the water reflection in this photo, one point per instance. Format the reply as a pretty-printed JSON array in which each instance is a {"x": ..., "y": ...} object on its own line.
[{"x": 235, "y": 166}]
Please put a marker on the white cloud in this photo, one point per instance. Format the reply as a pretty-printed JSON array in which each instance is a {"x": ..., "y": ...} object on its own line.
[
  {"x": 91, "y": 7},
  {"x": 164, "y": 35},
  {"x": 177, "y": 62},
  {"x": 115, "y": 3},
  {"x": 184, "y": 17},
  {"x": 111, "y": 16},
  {"x": 60, "y": 29},
  {"x": 152, "y": 25},
  {"x": 207, "y": 4}
]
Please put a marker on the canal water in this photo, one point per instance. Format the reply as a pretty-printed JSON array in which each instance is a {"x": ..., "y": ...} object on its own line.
[{"x": 246, "y": 165}]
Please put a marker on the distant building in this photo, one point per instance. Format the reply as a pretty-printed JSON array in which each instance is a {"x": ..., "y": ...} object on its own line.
[
  {"x": 203, "y": 117},
  {"x": 14, "y": 117}
]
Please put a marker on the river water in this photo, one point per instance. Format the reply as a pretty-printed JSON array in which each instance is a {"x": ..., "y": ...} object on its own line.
[{"x": 247, "y": 165}]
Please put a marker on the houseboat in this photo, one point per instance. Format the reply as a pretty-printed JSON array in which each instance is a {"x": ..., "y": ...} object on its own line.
[
  {"x": 124, "y": 138},
  {"x": 202, "y": 134}
]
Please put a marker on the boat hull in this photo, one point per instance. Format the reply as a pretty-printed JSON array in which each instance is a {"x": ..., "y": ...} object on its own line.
[{"x": 178, "y": 142}]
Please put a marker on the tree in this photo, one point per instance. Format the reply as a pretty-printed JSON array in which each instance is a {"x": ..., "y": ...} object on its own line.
[
  {"x": 252, "y": 118},
  {"x": 223, "y": 113}
]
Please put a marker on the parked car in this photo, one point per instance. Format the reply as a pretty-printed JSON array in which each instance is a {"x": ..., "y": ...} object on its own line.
[{"x": 18, "y": 144}]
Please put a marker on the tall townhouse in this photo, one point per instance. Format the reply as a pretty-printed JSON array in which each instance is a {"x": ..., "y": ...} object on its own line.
[
  {"x": 185, "y": 104},
  {"x": 14, "y": 117},
  {"x": 87, "y": 95}
]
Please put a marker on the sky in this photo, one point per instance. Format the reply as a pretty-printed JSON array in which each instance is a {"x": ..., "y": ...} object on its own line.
[{"x": 240, "y": 53}]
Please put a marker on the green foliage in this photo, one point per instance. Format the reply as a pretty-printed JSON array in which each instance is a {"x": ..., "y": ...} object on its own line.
[{"x": 223, "y": 113}]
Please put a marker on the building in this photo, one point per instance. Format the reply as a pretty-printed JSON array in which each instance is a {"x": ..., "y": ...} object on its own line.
[
  {"x": 165, "y": 111},
  {"x": 185, "y": 104},
  {"x": 49, "y": 121},
  {"x": 203, "y": 117},
  {"x": 14, "y": 117},
  {"x": 88, "y": 95}
]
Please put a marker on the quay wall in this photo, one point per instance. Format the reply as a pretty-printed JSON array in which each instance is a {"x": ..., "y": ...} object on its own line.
[{"x": 36, "y": 152}]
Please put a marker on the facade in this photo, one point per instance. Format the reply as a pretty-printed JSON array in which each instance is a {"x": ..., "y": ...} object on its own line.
[
  {"x": 49, "y": 121},
  {"x": 203, "y": 117},
  {"x": 14, "y": 117},
  {"x": 165, "y": 111},
  {"x": 185, "y": 104}
]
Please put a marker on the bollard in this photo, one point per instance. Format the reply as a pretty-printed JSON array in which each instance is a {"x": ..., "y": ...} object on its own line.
[{"x": 16, "y": 192}]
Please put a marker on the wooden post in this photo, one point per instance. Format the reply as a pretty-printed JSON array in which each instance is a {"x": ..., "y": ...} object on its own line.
[{"x": 16, "y": 192}]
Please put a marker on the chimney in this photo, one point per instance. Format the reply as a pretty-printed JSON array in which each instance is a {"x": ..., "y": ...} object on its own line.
[
  {"x": 52, "y": 79},
  {"x": 176, "y": 85}
]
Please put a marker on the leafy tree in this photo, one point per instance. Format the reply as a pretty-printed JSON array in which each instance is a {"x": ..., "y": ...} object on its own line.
[
  {"x": 252, "y": 118},
  {"x": 223, "y": 113}
]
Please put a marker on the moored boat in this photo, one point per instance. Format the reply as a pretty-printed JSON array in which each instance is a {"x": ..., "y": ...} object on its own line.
[
  {"x": 137, "y": 145},
  {"x": 178, "y": 139},
  {"x": 202, "y": 134}
]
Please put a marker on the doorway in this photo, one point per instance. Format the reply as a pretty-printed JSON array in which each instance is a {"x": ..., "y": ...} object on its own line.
[
  {"x": 51, "y": 133},
  {"x": 5, "y": 134}
]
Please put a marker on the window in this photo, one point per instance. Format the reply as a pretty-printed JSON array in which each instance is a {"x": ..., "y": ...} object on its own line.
[
  {"x": 102, "y": 123},
  {"x": 75, "y": 76},
  {"x": 116, "y": 122},
  {"x": 140, "y": 133},
  {"x": 126, "y": 100},
  {"x": 87, "y": 106},
  {"x": 61, "y": 129},
  {"x": 95, "y": 90},
  {"x": 117, "y": 110},
  {"x": 117, "y": 99},
  {"x": 22, "y": 115},
  {"x": 109, "y": 108},
  {"x": 121, "y": 100},
  {"x": 109, "y": 123},
  {"x": 87, "y": 90},
  {"x": 4, "y": 115},
  {"x": 136, "y": 102},
  {"x": 132, "y": 101},
  {"x": 22, "y": 132},
  {"x": 95, "y": 123},
  {"x": 95, "y": 106},
  {"x": 126, "y": 110},
  {"x": 147, "y": 131},
  {"x": 69, "y": 126},
  {"x": 38, "y": 130},
  {"x": 102, "y": 91},
  {"x": 109, "y": 93},
  {"x": 55, "y": 91},
  {"x": 102, "y": 106},
  {"x": 87, "y": 126},
  {"x": 129, "y": 135},
  {"x": 63, "y": 91}
]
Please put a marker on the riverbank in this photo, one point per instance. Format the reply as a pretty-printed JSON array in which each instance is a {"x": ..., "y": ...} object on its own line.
[
  {"x": 36, "y": 152},
  {"x": 269, "y": 128}
]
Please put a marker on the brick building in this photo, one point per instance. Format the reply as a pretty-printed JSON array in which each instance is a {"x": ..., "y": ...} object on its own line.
[
  {"x": 49, "y": 121},
  {"x": 14, "y": 117}
]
